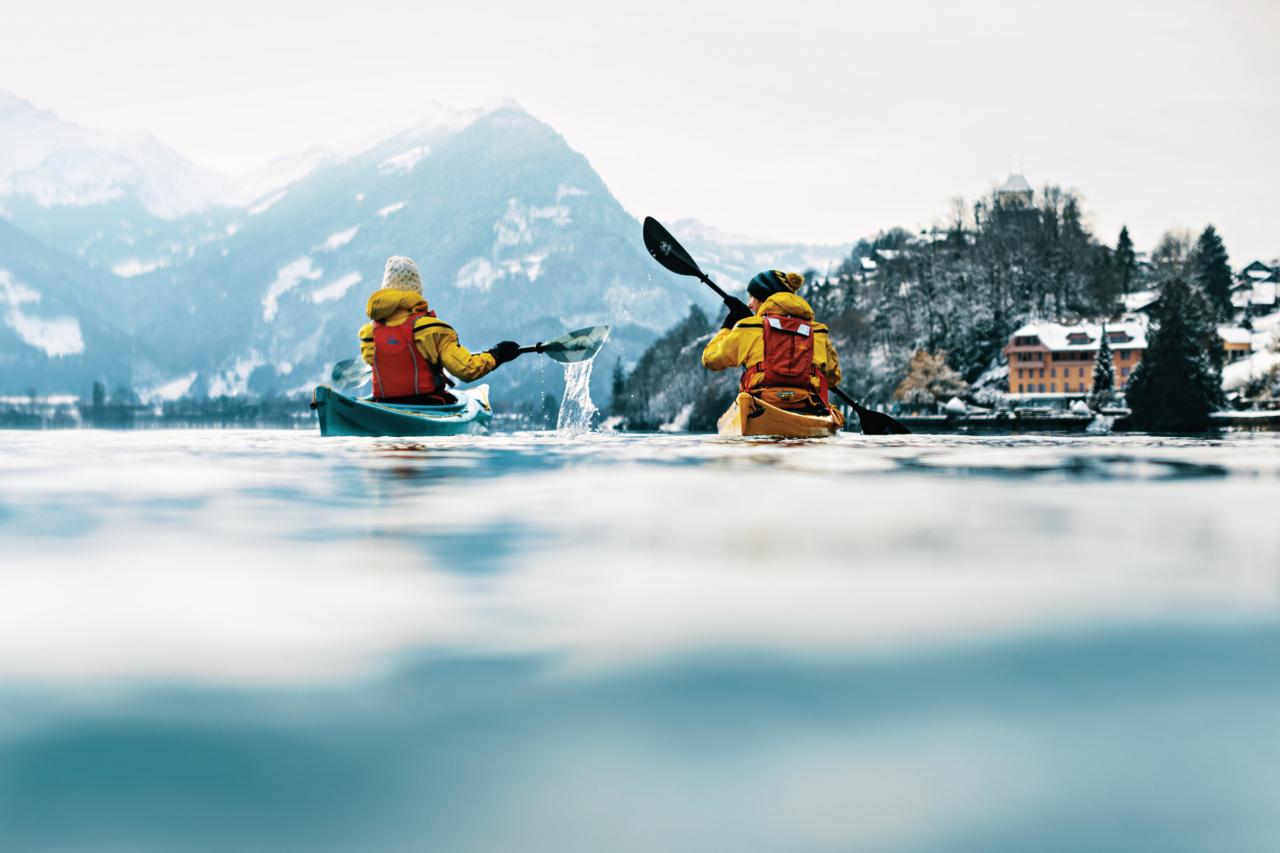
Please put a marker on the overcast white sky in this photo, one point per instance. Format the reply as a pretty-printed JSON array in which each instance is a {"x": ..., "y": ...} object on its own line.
[{"x": 812, "y": 121}]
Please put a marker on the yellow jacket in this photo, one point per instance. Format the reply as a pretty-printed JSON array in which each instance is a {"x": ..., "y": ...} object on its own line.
[
  {"x": 436, "y": 339},
  {"x": 743, "y": 345}
]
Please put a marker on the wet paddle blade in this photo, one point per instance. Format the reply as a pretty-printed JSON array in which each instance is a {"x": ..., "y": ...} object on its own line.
[
  {"x": 878, "y": 423},
  {"x": 578, "y": 345},
  {"x": 349, "y": 375},
  {"x": 667, "y": 251}
]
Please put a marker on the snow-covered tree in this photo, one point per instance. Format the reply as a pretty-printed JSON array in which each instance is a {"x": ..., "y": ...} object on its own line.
[
  {"x": 1177, "y": 384},
  {"x": 1212, "y": 272},
  {"x": 1126, "y": 260},
  {"x": 1104, "y": 373}
]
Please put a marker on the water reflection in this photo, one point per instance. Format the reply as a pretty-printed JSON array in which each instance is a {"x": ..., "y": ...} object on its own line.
[{"x": 236, "y": 641}]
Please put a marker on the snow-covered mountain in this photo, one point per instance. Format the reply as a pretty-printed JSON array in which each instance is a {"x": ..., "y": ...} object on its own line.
[
  {"x": 734, "y": 258},
  {"x": 55, "y": 163},
  {"x": 264, "y": 288}
]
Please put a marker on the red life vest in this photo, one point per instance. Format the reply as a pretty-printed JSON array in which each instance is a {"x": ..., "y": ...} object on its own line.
[
  {"x": 399, "y": 369},
  {"x": 788, "y": 357}
]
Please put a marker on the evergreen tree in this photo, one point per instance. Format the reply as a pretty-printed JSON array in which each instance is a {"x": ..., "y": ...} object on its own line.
[
  {"x": 617, "y": 384},
  {"x": 1104, "y": 373},
  {"x": 1104, "y": 283},
  {"x": 1213, "y": 272},
  {"x": 1177, "y": 384},
  {"x": 1126, "y": 261}
]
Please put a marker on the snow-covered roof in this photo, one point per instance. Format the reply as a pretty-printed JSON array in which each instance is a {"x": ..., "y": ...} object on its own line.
[
  {"x": 1259, "y": 274},
  {"x": 868, "y": 265},
  {"x": 1264, "y": 293},
  {"x": 888, "y": 254},
  {"x": 1140, "y": 299},
  {"x": 1235, "y": 335},
  {"x": 1015, "y": 184},
  {"x": 1084, "y": 337}
]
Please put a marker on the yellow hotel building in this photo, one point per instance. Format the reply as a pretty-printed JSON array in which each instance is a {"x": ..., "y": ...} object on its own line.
[{"x": 1050, "y": 360}]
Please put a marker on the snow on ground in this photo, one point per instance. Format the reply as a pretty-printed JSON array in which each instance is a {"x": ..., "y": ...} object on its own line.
[
  {"x": 287, "y": 278},
  {"x": 57, "y": 336},
  {"x": 171, "y": 390},
  {"x": 477, "y": 274},
  {"x": 340, "y": 239},
  {"x": 134, "y": 267},
  {"x": 516, "y": 225},
  {"x": 390, "y": 209},
  {"x": 680, "y": 423},
  {"x": 565, "y": 191},
  {"x": 336, "y": 289},
  {"x": 266, "y": 203},
  {"x": 402, "y": 163},
  {"x": 235, "y": 381}
]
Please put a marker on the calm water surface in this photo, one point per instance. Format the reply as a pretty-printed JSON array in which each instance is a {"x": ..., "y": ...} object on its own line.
[{"x": 266, "y": 641}]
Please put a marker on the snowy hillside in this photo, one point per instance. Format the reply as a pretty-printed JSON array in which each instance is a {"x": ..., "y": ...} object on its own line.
[{"x": 56, "y": 332}]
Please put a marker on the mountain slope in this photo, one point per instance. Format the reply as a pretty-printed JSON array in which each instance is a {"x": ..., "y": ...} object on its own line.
[{"x": 55, "y": 335}]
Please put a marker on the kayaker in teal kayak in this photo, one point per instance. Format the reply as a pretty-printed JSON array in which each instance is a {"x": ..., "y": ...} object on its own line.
[{"x": 409, "y": 347}]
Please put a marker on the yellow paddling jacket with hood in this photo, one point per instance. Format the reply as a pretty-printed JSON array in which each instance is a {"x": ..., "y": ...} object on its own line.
[
  {"x": 434, "y": 338},
  {"x": 743, "y": 345}
]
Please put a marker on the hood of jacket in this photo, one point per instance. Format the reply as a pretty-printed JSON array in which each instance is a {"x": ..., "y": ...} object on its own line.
[
  {"x": 787, "y": 303},
  {"x": 392, "y": 306}
]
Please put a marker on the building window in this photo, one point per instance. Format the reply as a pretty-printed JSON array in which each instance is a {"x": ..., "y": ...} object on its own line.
[
  {"x": 1053, "y": 371},
  {"x": 1053, "y": 387},
  {"x": 1042, "y": 385},
  {"x": 1042, "y": 373},
  {"x": 1124, "y": 372}
]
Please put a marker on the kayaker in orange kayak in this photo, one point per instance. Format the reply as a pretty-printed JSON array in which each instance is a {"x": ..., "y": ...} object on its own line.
[
  {"x": 409, "y": 347},
  {"x": 788, "y": 359}
]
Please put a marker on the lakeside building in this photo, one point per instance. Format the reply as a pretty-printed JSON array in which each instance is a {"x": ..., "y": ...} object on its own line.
[{"x": 1052, "y": 361}]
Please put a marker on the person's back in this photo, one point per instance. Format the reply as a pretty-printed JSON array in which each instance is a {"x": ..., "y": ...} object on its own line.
[
  {"x": 410, "y": 348},
  {"x": 786, "y": 355}
]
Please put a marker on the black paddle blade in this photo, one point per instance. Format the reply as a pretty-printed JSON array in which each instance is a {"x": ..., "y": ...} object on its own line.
[
  {"x": 667, "y": 251},
  {"x": 878, "y": 423}
]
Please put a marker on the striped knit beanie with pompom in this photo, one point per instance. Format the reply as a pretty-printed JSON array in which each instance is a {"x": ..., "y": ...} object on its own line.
[{"x": 769, "y": 282}]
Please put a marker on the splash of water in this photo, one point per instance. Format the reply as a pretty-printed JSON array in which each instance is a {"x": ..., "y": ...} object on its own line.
[{"x": 576, "y": 410}]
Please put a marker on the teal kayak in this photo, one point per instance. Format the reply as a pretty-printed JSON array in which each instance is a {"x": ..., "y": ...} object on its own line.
[{"x": 343, "y": 415}]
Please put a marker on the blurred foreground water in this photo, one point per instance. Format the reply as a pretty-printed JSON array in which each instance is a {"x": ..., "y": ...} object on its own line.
[{"x": 266, "y": 641}]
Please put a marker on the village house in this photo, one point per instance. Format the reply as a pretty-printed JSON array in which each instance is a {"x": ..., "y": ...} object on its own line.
[{"x": 1054, "y": 361}]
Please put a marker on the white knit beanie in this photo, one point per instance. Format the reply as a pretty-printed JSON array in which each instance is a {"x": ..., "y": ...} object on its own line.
[{"x": 401, "y": 274}]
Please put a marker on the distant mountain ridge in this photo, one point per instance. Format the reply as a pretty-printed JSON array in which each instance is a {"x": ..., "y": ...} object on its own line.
[{"x": 516, "y": 235}]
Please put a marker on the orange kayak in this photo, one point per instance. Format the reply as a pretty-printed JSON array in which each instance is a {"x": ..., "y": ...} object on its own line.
[{"x": 752, "y": 416}]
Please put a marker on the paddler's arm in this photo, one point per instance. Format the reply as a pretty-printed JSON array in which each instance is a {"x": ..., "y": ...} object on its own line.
[
  {"x": 366, "y": 343},
  {"x": 438, "y": 343},
  {"x": 830, "y": 361},
  {"x": 724, "y": 350}
]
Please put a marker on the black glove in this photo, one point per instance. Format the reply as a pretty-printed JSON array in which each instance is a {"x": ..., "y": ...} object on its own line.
[
  {"x": 505, "y": 351},
  {"x": 738, "y": 310}
]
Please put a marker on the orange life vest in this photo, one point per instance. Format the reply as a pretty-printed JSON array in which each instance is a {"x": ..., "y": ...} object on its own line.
[
  {"x": 399, "y": 369},
  {"x": 788, "y": 357}
]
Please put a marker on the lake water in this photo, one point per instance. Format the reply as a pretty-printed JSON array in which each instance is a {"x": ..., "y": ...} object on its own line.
[{"x": 266, "y": 641}]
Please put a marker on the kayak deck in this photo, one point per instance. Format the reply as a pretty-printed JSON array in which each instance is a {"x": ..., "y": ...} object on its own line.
[
  {"x": 750, "y": 415},
  {"x": 340, "y": 414}
]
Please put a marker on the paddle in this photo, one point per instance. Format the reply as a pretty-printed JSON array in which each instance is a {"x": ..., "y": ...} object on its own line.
[
  {"x": 571, "y": 347},
  {"x": 667, "y": 251}
]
